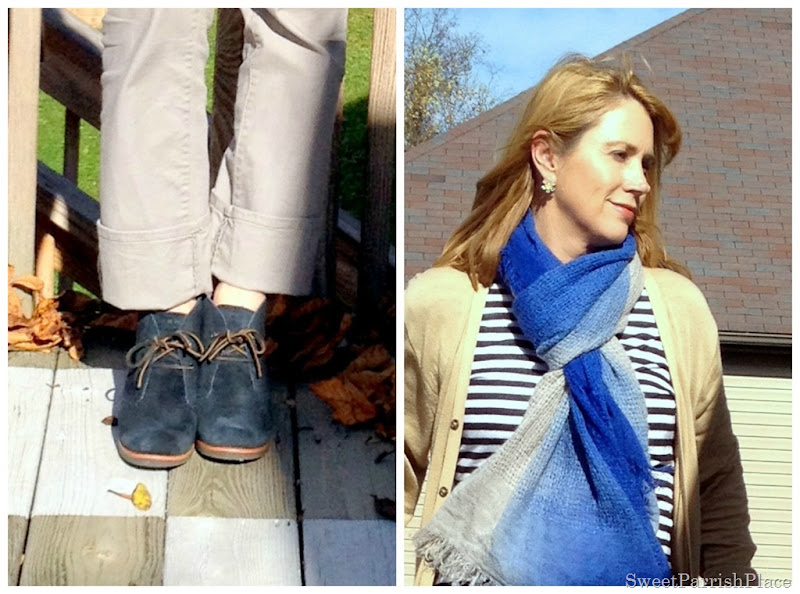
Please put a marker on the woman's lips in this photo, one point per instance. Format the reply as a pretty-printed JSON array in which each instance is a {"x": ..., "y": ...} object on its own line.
[{"x": 629, "y": 212}]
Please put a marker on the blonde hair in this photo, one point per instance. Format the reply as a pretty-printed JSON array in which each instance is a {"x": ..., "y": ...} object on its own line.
[{"x": 569, "y": 100}]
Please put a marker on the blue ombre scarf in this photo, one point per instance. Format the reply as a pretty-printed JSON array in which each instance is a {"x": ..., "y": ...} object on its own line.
[{"x": 569, "y": 498}]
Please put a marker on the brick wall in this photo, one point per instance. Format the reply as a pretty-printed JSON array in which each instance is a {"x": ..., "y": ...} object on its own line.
[
  {"x": 726, "y": 213},
  {"x": 440, "y": 177}
]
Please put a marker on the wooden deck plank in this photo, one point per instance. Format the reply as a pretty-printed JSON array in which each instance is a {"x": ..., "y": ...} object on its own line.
[
  {"x": 17, "y": 530},
  {"x": 32, "y": 359},
  {"x": 260, "y": 489},
  {"x": 231, "y": 552},
  {"x": 80, "y": 550},
  {"x": 79, "y": 460},
  {"x": 338, "y": 470},
  {"x": 28, "y": 403},
  {"x": 349, "y": 552}
]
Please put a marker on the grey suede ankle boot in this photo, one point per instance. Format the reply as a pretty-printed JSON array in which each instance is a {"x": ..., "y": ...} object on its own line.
[
  {"x": 154, "y": 413},
  {"x": 234, "y": 412}
]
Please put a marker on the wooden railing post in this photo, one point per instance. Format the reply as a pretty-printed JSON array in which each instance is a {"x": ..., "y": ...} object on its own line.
[
  {"x": 23, "y": 111},
  {"x": 381, "y": 117}
]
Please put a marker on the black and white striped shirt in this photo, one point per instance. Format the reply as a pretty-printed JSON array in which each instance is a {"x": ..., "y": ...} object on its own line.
[{"x": 505, "y": 371}]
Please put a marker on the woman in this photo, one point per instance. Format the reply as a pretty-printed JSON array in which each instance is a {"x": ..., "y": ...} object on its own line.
[{"x": 563, "y": 384}]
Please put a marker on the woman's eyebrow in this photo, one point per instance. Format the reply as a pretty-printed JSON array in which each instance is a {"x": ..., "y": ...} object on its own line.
[{"x": 648, "y": 159}]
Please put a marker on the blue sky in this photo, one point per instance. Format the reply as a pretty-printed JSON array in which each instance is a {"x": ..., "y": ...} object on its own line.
[{"x": 523, "y": 43}]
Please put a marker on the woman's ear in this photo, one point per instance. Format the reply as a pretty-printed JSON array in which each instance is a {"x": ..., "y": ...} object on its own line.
[{"x": 543, "y": 153}]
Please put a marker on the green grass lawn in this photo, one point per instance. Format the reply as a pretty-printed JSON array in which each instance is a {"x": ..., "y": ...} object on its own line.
[
  {"x": 353, "y": 163},
  {"x": 353, "y": 150}
]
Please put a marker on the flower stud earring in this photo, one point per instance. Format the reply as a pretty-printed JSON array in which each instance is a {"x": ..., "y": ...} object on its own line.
[{"x": 549, "y": 186}]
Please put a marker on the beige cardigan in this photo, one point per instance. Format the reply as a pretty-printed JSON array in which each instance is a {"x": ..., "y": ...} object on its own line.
[{"x": 442, "y": 319}]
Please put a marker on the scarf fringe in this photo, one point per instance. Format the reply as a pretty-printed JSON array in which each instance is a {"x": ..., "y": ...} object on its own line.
[{"x": 449, "y": 562}]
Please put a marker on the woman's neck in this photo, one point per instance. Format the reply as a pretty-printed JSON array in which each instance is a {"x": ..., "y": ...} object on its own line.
[{"x": 562, "y": 240}]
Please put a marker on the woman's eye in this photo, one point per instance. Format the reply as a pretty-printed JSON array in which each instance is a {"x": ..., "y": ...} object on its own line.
[{"x": 620, "y": 155}]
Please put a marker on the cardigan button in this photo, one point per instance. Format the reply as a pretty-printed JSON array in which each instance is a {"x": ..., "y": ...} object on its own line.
[
  {"x": 443, "y": 492},
  {"x": 454, "y": 424}
]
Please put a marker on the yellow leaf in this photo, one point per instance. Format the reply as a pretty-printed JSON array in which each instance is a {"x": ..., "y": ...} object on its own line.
[{"x": 141, "y": 497}]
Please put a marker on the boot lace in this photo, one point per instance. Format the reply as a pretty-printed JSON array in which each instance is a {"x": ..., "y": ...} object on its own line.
[
  {"x": 244, "y": 342},
  {"x": 143, "y": 355}
]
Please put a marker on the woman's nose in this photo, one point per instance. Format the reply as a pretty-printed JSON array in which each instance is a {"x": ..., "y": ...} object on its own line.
[{"x": 636, "y": 180}]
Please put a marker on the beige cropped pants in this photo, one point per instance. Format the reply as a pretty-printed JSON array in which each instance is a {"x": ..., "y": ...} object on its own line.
[{"x": 164, "y": 232}]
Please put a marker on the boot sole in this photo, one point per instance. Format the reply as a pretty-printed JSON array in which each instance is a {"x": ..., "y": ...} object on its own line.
[
  {"x": 145, "y": 460},
  {"x": 231, "y": 453}
]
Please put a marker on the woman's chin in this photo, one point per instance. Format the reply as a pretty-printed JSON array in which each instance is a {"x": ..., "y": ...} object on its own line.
[{"x": 608, "y": 242}]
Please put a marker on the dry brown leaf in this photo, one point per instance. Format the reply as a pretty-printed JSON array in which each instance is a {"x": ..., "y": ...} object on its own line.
[
  {"x": 18, "y": 321},
  {"x": 324, "y": 347},
  {"x": 316, "y": 316},
  {"x": 46, "y": 320},
  {"x": 310, "y": 335},
  {"x": 308, "y": 307},
  {"x": 15, "y": 310},
  {"x": 75, "y": 302},
  {"x": 29, "y": 283},
  {"x": 305, "y": 350},
  {"x": 368, "y": 381},
  {"x": 384, "y": 431},
  {"x": 45, "y": 328},
  {"x": 75, "y": 352},
  {"x": 276, "y": 307},
  {"x": 32, "y": 346},
  {"x": 372, "y": 357},
  {"x": 350, "y": 407},
  {"x": 124, "y": 320},
  {"x": 19, "y": 336},
  {"x": 384, "y": 395},
  {"x": 269, "y": 347},
  {"x": 359, "y": 396},
  {"x": 308, "y": 332}
]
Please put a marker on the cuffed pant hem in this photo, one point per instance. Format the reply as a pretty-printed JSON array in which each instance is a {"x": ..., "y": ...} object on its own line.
[
  {"x": 262, "y": 253},
  {"x": 158, "y": 269}
]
